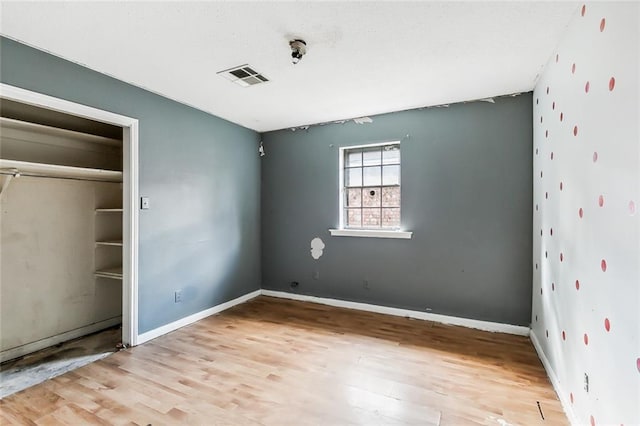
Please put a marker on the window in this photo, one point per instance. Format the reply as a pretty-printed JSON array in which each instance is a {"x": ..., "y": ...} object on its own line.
[
  {"x": 370, "y": 191},
  {"x": 371, "y": 187}
]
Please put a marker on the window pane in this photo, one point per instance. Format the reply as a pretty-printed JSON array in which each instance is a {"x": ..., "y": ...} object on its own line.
[
  {"x": 371, "y": 197},
  {"x": 371, "y": 176},
  {"x": 391, "y": 175},
  {"x": 391, "y": 155},
  {"x": 371, "y": 218},
  {"x": 391, "y": 196},
  {"x": 353, "y": 218},
  {"x": 372, "y": 156},
  {"x": 354, "y": 197},
  {"x": 354, "y": 159},
  {"x": 391, "y": 218},
  {"x": 353, "y": 177}
]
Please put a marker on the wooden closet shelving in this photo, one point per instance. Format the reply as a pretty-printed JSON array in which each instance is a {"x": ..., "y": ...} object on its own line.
[{"x": 115, "y": 273}]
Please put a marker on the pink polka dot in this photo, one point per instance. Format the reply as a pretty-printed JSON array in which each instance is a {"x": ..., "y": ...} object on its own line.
[
  {"x": 602, "y": 24},
  {"x": 593, "y": 421},
  {"x": 632, "y": 208},
  {"x": 540, "y": 292},
  {"x": 601, "y": 201},
  {"x": 573, "y": 68},
  {"x": 564, "y": 336},
  {"x": 607, "y": 324},
  {"x": 561, "y": 186},
  {"x": 584, "y": 9},
  {"x": 586, "y": 87},
  {"x": 561, "y": 257},
  {"x": 603, "y": 265},
  {"x": 612, "y": 83},
  {"x": 561, "y": 116},
  {"x": 577, "y": 285},
  {"x": 638, "y": 364},
  {"x": 541, "y": 232},
  {"x": 571, "y": 397},
  {"x": 595, "y": 156},
  {"x": 551, "y": 232},
  {"x": 575, "y": 130},
  {"x": 580, "y": 212},
  {"x": 551, "y": 155},
  {"x": 586, "y": 339},
  {"x": 553, "y": 105}
]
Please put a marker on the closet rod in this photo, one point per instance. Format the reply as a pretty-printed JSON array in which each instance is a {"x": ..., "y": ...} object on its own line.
[{"x": 17, "y": 174}]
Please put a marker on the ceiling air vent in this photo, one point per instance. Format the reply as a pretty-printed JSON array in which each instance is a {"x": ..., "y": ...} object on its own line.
[{"x": 243, "y": 75}]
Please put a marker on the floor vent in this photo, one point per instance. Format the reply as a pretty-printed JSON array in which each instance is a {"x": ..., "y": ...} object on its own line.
[{"x": 243, "y": 75}]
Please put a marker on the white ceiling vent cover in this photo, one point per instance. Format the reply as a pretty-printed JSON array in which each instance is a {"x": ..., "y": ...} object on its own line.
[{"x": 243, "y": 75}]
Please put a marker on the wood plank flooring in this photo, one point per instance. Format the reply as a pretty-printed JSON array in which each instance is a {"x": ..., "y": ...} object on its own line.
[{"x": 281, "y": 362}]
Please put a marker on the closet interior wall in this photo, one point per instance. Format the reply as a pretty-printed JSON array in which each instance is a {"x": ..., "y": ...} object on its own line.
[{"x": 60, "y": 227}]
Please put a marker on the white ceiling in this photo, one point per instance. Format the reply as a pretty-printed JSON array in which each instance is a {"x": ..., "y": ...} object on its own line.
[{"x": 363, "y": 58}]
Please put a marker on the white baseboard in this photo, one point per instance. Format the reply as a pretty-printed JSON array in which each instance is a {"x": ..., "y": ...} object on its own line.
[
  {"x": 58, "y": 338},
  {"x": 167, "y": 328},
  {"x": 444, "y": 319},
  {"x": 566, "y": 403}
]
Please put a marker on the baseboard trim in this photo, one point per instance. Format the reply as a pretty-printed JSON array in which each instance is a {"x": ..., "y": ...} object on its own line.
[
  {"x": 167, "y": 328},
  {"x": 58, "y": 338},
  {"x": 566, "y": 404},
  {"x": 444, "y": 319}
]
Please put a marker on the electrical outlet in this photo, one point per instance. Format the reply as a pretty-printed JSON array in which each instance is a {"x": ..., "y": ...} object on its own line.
[
  {"x": 144, "y": 203},
  {"x": 178, "y": 296},
  {"x": 586, "y": 382}
]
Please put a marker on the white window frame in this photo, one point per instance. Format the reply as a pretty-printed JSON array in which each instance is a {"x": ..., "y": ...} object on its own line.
[{"x": 367, "y": 233}]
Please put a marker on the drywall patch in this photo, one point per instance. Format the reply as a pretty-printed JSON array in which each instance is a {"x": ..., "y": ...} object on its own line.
[{"x": 316, "y": 248}]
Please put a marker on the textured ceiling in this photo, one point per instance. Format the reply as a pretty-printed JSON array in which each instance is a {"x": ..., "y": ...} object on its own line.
[{"x": 363, "y": 58}]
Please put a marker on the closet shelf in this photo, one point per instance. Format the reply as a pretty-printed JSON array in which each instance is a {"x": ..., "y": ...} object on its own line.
[
  {"x": 27, "y": 168},
  {"x": 108, "y": 210},
  {"x": 115, "y": 273},
  {"x": 41, "y": 131},
  {"x": 109, "y": 243}
]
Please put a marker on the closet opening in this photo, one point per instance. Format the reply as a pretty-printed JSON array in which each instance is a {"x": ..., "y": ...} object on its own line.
[{"x": 68, "y": 223}]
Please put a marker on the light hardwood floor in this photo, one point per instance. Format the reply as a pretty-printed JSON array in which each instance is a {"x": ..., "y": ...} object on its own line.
[{"x": 281, "y": 362}]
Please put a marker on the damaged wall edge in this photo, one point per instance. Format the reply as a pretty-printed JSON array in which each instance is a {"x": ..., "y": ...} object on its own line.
[{"x": 368, "y": 119}]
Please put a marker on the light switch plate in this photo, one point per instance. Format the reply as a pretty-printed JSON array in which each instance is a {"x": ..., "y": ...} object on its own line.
[{"x": 144, "y": 203}]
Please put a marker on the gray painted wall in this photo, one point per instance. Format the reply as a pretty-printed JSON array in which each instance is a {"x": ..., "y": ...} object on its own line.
[
  {"x": 202, "y": 173},
  {"x": 466, "y": 195}
]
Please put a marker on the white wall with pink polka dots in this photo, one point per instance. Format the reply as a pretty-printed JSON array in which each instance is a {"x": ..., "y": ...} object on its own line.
[{"x": 586, "y": 218}]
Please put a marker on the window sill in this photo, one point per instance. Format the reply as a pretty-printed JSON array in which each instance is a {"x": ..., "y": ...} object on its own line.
[{"x": 371, "y": 233}]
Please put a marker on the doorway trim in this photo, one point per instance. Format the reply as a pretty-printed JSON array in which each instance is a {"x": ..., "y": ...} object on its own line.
[{"x": 129, "y": 188}]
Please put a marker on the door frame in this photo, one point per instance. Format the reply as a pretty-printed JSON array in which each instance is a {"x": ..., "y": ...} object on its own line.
[{"x": 129, "y": 190}]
